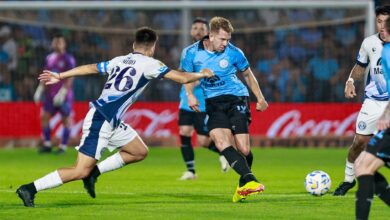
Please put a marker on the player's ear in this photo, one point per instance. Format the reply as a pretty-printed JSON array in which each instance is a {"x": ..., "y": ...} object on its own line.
[{"x": 134, "y": 46}]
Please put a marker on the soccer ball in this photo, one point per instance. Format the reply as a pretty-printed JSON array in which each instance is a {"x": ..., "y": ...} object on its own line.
[{"x": 317, "y": 183}]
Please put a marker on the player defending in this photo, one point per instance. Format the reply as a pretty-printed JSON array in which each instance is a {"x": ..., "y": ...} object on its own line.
[
  {"x": 58, "y": 97},
  {"x": 103, "y": 128},
  {"x": 377, "y": 153},
  {"x": 376, "y": 96},
  {"x": 226, "y": 99},
  {"x": 189, "y": 119}
]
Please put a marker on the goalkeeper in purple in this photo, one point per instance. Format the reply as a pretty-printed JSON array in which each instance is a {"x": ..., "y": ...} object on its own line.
[
  {"x": 227, "y": 99},
  {"x": 103, "y": 127},
  {"x": 57, "y": 97}
]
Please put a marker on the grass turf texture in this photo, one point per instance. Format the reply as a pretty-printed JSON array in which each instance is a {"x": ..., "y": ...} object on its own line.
[{"x": 150, "y": 189}]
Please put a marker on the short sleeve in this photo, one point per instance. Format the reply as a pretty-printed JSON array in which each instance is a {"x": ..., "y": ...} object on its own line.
[
  {"x": 362, "y": 58},
  {"x": 386, "y": 65},
  {"x": 155, "y": 69},
  {"x": 240, "y": 60},
  {"x": 186, "y": 63},
  {"x": 106, "y": 67}
]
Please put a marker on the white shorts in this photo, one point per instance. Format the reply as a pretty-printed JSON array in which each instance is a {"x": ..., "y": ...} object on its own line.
[
  {"x": 368, "y": 116},
  {"x": 99, "y": 135}
]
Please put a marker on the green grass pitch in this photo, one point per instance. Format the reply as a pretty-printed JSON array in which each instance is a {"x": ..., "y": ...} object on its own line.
[{"x": 150, "y": 189}]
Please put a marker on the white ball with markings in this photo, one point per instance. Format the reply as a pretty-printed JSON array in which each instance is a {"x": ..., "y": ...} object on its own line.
[{"x": 317, "y": 183}]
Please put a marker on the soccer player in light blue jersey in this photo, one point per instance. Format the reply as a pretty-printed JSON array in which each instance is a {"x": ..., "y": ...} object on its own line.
[
  {"x": 103, "y": 128},
  {"x": 375, "y": 96},
  {"x": 227, "y": 99},
  {"x": 190, "y": 120},
  {"x": 377, "y": 153}
]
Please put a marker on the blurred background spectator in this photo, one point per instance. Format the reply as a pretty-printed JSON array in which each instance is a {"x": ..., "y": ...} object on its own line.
[{"x": 291, "y": 52}]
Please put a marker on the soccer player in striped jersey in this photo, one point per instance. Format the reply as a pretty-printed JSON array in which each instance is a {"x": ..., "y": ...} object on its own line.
[
  {"x": 190, "y": 120},
  {"x": 58, "y": 97},
  {"x": 103, "y": 128},
  {"x": 376, "y": 96},
  {"x": 227, "y": 99},
  {"x": 377, "y": 153}
]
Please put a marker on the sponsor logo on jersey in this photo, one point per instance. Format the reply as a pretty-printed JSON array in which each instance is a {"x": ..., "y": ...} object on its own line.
[
  {"x": 223, "y": 63},
  {"x": 378, "y": 68},
  {"x": 362, "y": 125},
  {"x": 373, "y": 49},
  {"x": 214, "y": 81}
]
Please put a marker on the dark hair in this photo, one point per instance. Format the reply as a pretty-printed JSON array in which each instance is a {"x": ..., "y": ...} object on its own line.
[
  {"x": 200, "y": 20},
  {"x": 145, "y": 36},
  {"x": 382, "y": 10}
]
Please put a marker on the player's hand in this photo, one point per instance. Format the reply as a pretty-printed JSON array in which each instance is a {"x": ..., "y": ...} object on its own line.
[
  {"x": 207, "y": 73},
  {"x": 383, "y": 122},
  {"x": 48, "y": 78},
  {"x": 349, "y": 91},
  {"x": 261, "y": 105},
  {"x": 193, "y": 102}
]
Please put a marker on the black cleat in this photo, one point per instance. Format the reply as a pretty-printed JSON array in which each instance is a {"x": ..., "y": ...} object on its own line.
[
  {"x": 26, "y": 196},
  {"x": 343, "y": 188},
  {"x": 44, "y": 150},
  {"x": 89, "y": 185},
  {"x": 60, "y": 151}
]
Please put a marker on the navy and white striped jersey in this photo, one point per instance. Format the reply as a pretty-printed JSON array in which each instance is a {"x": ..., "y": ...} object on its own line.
[
  {"x": 370, "y": 54},
  {"x": 128, "y": 76}
]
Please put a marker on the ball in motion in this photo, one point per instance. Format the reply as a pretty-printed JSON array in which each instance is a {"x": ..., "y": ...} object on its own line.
[{"x": 317, "y": 183}]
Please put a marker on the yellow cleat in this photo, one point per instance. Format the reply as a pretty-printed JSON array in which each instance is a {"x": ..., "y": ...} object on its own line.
[{"x": 250, "y": 188}]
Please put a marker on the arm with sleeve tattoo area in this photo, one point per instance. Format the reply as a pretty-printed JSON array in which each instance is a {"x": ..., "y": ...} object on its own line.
[{"x": 357, "y": 73}]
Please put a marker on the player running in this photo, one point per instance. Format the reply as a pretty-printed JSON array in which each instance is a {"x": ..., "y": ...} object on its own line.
[
  {"x": 227, "y": 99},
  {"x": 103, "y": 128}
]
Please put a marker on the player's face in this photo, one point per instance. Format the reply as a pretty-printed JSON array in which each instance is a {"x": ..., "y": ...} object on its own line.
[
  {"x": 219, "y": 40},
  {"x": 198, "y": 31},
  {"x": 58, "y": 44},
  {"x": 380, "y": 24}
]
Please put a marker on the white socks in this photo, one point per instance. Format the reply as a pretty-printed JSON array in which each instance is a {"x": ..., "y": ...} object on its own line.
[
  {"x": 349, "y": 172},
  {"x": 111, "y": 163},
  {"x": 51, "y": 180}
]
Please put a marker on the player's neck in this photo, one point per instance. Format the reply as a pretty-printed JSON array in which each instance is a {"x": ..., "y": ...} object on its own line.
[{"x": 208, "y": 46}]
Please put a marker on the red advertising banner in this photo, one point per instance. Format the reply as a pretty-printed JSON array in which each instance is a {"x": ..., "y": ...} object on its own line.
[{"x": 159, "y": 119}]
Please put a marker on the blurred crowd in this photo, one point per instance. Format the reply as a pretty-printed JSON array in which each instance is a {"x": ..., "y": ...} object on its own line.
[{"x": 296, "y": 55}]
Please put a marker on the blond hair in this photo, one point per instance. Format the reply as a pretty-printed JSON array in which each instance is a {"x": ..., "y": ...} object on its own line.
[{"x": 217, "y": 23}]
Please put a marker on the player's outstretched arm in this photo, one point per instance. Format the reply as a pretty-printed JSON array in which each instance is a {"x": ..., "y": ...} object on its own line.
[
  {"x": 357, "y": 73},
  {"x": 250, "y": 79},
  {"x": 185, "y": 77},
  {"x": 48, "y": 77}
]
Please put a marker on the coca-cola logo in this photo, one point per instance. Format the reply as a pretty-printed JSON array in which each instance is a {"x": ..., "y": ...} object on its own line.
[
  {"x": 145, "y": 121},
  {"x": 290, "y": 124},
  {"x": 150, "y": 123}
]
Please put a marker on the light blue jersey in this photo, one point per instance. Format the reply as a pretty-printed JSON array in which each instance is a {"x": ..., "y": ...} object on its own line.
[
  {"x": 128, "y": 76},
  {"x": 224, "y": 65},
  {"x": 198, "y": 94},
  {"x": 386, "y": 64}
]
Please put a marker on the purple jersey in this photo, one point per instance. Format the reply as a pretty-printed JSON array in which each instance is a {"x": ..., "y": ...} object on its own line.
[{"x": 56, "y": 62}]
